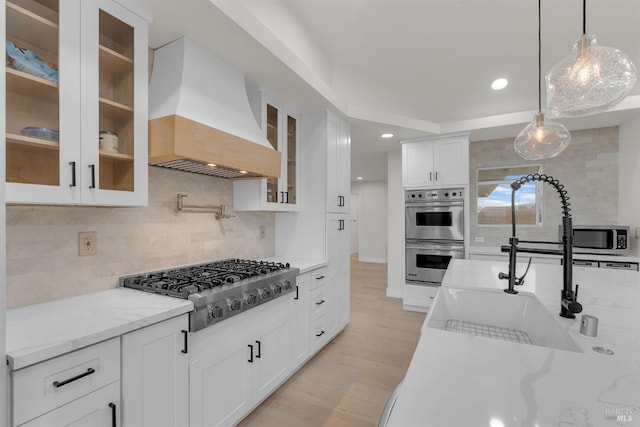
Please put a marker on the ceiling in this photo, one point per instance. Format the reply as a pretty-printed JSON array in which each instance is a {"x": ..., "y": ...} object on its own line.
[{"x": 410, "y": 67}]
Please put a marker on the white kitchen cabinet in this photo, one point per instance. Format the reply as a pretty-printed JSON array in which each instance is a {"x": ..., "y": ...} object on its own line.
[
  {"x": 101, "y": 49},
  {"x": 436, "y": 162},
  {"x": 98, "y": 409},
  {"x": 233, "y": 369},
  {"x": 155, "y": 375},
  {"x": 77, "y": 388},
  {"x": 338, "y": 193},
  {"x": 300, "y": 325},
  {"x": 339, "y": 267},
  {"x": 280, "y": 125}
]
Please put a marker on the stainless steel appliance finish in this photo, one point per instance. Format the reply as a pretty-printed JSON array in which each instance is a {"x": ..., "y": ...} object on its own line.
[
  {"x": 601, "y": 239},
  {"x": 426, "y": 262},
  {"x": 434, "y": 233},
  {"x": 434, "y": 214},
  {"x": 219, "y": 289}
]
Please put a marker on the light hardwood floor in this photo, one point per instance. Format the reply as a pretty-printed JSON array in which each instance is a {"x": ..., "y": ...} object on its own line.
[{"x": 349, "y": 381}]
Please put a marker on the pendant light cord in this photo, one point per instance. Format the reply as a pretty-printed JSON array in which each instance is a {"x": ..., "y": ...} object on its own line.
[
  {"x": 584, "y": 16},
  {"x": 540, "y": 58}
]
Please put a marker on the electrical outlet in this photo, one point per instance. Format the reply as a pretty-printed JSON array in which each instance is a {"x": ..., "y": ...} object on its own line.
[
  {"x": 479, "y": 239},
  {"x": 87, "y": 243},
  {"x": 263, "y": 232}
]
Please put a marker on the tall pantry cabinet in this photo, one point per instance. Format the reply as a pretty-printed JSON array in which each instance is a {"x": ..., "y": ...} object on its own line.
[{"x": 320, "y": 230}]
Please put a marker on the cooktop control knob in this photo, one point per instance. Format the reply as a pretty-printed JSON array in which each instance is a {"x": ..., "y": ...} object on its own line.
[
  {"x": 264, "y": 293},
  {"x": 286, "y": 285},
  {"x": 251, "y": 298},
  {"x": 215, "y": 311},
  {"x": 234, "y": 304},
  {"x": 277, "y": 289}
]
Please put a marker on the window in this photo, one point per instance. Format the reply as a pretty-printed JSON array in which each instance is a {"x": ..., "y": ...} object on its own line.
[{"x": 494, "y": 196}]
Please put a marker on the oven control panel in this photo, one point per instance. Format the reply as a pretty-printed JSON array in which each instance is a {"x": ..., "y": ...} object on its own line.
[{"x": 417, "y": 196}]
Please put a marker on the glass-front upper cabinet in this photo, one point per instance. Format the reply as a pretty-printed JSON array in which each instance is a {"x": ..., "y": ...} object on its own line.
[
  {"x": 280, "y": 125},
  {"x": 76, "y": 103}
]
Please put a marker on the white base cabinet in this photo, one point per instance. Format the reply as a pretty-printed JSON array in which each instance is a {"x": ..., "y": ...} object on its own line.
[
  {"x": 155, "y": 375},
  {"x": 235, "y": 367},
  {"x": 97, "y": 409},
  {"x": 300, "y": 321},
  {"x": 338, "y": 256}
]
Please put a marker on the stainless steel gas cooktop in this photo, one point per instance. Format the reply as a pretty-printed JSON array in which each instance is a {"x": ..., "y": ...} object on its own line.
[{"x": 219, "y": 289}]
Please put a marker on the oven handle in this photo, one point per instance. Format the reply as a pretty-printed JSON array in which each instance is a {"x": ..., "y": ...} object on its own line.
[
  {"x": 434, "y": 204},
  {"x": 437, "y": 247}
]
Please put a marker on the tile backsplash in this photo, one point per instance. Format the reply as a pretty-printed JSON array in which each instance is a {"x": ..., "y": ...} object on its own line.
[
  {"x": 588, "y": 169},
  {"x": 42, "y": 241}
]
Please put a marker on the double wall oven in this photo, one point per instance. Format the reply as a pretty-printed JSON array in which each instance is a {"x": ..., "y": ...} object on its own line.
[{"x": 434, "y": 233}]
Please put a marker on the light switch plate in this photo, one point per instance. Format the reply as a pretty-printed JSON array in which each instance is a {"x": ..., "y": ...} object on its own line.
[
  {"x": 263, "y": 232},
  {"x": 87, "y": 243}
]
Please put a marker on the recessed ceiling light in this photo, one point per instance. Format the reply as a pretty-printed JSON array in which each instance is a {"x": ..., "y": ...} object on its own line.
[
  {"x": 386, "y": 135},
  {"x": 359, "y": 178},
  {"x": 499, "y": 84},
  {"x": 211, "y": 165},
  {"x": 243, "y": 172}
]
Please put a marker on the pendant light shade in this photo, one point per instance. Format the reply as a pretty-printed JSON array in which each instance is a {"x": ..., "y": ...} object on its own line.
[
  {"x": 590, "y": 80},
  {"x": 541, "y": 139}
]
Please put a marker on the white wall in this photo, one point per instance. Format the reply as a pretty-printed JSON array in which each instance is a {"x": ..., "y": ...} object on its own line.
[
  {"x": 373, "y": 221},
  {"x": 629, "y": 179},
  {"x": 395, "y": 229}
]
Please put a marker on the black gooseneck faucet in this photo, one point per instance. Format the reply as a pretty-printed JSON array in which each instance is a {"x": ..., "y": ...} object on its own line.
[{"x": 568, "y": 298}]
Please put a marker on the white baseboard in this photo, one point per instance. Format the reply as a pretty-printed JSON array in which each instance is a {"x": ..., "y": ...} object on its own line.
[
  {"x": 394, "y": 293},
  {"x": 373, "y": 260}
]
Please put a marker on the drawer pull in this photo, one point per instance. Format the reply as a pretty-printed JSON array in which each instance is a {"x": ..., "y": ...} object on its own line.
[
  {"x": 319, "y": 277},
  {"x": 320, "y": 334},
  {"x": 72, "y": 379},
  {"x": 320, "y": 302},
  {"x": 113, "y": 414},
  {"x": 185, "y": 349}
]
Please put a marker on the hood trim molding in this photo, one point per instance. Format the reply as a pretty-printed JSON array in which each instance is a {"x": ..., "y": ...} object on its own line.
[{"x": 175, "y": 137}]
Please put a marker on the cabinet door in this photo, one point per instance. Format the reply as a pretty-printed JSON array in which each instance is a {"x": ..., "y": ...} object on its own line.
[
  {"x": 289, "y": 179},
  {"x": 300, "y": 320},
  {"x": 114, "y": 61},
  {"x": 339, "y": 255},
  {"x": 98, "y": 409},
  {"x": 417, "y": 164},
  {"x": 155, "y": 375},
  {"x": 42, "y": 133},
  {"x": 333, "y": 199},
  {"x": 343, "y": 172},
  {"x": 272, "y": 350},
  {"x": 220, "y": 384},
  {"x": 451, "y": 163}
]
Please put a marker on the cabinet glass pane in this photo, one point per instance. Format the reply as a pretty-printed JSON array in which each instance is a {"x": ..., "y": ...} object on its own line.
[
  {"x": 291, "y": 160},
  {"x": 32, "y": 96},
  {"x": 272, "y": 137},
  {"x": 116, "y": 89}
]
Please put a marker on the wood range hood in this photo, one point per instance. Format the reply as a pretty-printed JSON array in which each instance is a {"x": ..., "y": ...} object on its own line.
[{"x": 200, "y": 119}]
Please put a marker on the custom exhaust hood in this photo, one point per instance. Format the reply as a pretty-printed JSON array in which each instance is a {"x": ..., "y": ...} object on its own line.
[{"x": 199, "y": 117}]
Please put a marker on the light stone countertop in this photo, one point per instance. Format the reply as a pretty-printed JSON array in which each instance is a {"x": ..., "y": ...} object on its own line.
[
  {"x": 42, "y": 331},
  {"x": 460, "y": 380}
]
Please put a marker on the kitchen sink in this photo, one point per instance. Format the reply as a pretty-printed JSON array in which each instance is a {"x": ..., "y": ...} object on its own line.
[{"x": 494, "y": 314}]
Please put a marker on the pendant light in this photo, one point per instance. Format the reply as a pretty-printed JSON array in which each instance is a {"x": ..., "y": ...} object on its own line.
[
  {"x": 591, "y": 79},
  {"x": 541, "y": 139}
]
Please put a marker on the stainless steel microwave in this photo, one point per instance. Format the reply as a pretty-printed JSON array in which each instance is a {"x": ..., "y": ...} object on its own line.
[{"x": 600, "y": 239}]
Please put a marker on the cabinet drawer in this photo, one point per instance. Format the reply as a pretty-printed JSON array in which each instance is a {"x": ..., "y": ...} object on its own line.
[
  {"x": 48, "y": 385},
  {"x": 319, "y": 332},
  {"x": 319, "y": 301},
  {"x": 318, "y": 277}
]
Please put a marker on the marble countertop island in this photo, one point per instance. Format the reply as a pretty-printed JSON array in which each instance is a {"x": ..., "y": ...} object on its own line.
[
  {"x": 42, "y": 331},
  {"x": 461, "y": 380}
]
